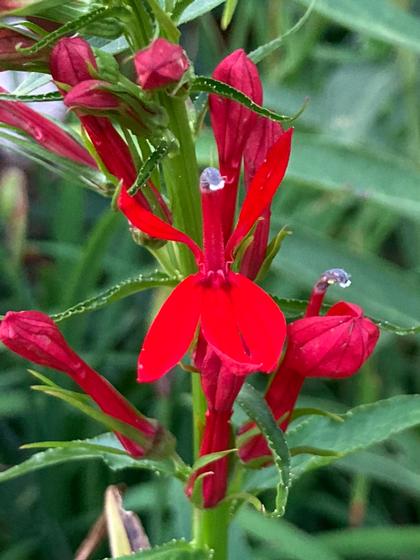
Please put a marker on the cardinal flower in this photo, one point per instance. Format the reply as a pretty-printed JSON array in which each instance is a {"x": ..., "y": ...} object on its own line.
[
  {"x": 237, "y": 318},
  {"x": 334, "y": 346}
]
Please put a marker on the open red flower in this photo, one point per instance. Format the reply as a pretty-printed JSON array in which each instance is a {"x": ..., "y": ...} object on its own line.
[{"x": 237, "y": 318}]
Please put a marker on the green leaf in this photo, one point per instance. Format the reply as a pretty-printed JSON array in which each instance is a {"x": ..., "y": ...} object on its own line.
[
  {"x": 72, "y": 27},
  {"x": 265, "y": 50},
  {"x": 228, "y": 12},
  {"x": 285, "y": 540},
  {"x": 165, "y": 23},
  {"x": 149, "y": 166},
  {"x": 174, "y": 550},
  {"x": 118, "y": 291},
  {"x": 82, "y": 402},
  {"x": 381, "y": 19},
  {"x": 210, "y": 85},
  {"x": 39, "y": 98},
  {"x": 382, "y": 543},
  {"x": 256, "y": 408},
  {"x": 382, "y": 178},
  {"x": 205, "y": 460},
  {"x": 363, "y": 426},
  {"x": 113, "y": 456},
  {"x": 198, "y": 8}
]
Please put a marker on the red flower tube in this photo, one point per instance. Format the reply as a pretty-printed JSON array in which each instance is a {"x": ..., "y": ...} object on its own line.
[{"x": 34, "y": 336}]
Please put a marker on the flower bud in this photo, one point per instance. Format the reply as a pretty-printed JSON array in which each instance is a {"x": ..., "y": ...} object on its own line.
[
  {"x": 100, "y": 98},
  {"x": 334, "y": 345},
  {"x": 36, "y": 337},
  {"x": 160, "y": 64},
  {"x": 92, "y": 97},
  {"x": 72, "y": 61}
]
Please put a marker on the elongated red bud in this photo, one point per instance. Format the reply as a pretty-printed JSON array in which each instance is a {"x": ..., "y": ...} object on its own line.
[
  {"x": 160, "y": 64},
  {"x": 13, "y": 59},
  {"x": 92, "y": 97},
  {"x": 34, "y": 336}
]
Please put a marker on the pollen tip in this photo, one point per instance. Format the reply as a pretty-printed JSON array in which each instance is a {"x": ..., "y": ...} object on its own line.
[
  {"x": 336, "y": 276},
  {"x": 211, "y": 180}
]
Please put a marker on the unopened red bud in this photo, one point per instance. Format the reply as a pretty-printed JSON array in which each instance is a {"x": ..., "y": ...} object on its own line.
[
  {"x": 72, "y": 61},
  {"x": 160, "y": 64},
  {"x": 334, "y": 345},
  {"x": 34, "y": 336},
  {"x": 91, "y": 96}
]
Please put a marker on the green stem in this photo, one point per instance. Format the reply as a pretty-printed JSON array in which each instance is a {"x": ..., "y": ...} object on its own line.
[
  {"x": 181, "y": 178},
  {"x": 211, "y": 527}
]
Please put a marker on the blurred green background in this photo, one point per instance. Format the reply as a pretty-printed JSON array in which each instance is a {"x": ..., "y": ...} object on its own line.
[{"x": 351, "y": 200}]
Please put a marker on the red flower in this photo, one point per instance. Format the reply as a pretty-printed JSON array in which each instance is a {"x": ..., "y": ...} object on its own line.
[
  {"x": 160, "y": 64},
  {"x": 43, "y": 131},
  {"x": 335, "y": 345},
  {"x": 237, "y": 318},
  {"x": 36, "y": 337}
]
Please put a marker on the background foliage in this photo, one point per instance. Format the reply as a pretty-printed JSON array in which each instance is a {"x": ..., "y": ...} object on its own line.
[{"x": 351, "y": 199}]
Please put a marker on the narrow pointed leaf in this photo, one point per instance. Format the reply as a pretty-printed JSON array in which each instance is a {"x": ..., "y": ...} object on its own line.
[
  {"x": 81, "y": 450},
  {"x": 149, "y": 166},
  {"x": 195, "y": 8},
  {"x": 120, "y": 290},
  {"x": 210, "y": 85},
  {"x": 256, "y": 408},
  {"x": 28, "y": 98}
]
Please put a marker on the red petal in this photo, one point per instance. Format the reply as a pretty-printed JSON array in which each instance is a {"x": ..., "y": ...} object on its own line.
[
  {"x": 260, "y": 320},
  {"x": 220, "y": 327},
  {"x": 262, "y": 189},
  {"x": 151, "y": 224},
  {"x": 172, "y": 330}
]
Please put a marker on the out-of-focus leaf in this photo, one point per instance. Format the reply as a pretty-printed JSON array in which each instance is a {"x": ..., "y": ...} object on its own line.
[
  {"x": 382, "y": 543},
  {"x": 174, "y": 550},
  {"x": 265, "y": 50},
  {"x": 285, "y": 540},
  {"x": 381, "y": 178},
  {"x": 385, "y": 291},
  {"x": 87, "y": 449},
  {"x": 118, "y": 291},
  {"x": 210, "y": 85},
  {"x": 72, "y": 26},
  {"x": 228, "y": 12},
  {"x": 384, "y": 469},
  {"x": 256, "y": 408},
  {"x": 198, "y": 8},
  {"x": 381, "y": 19}
]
